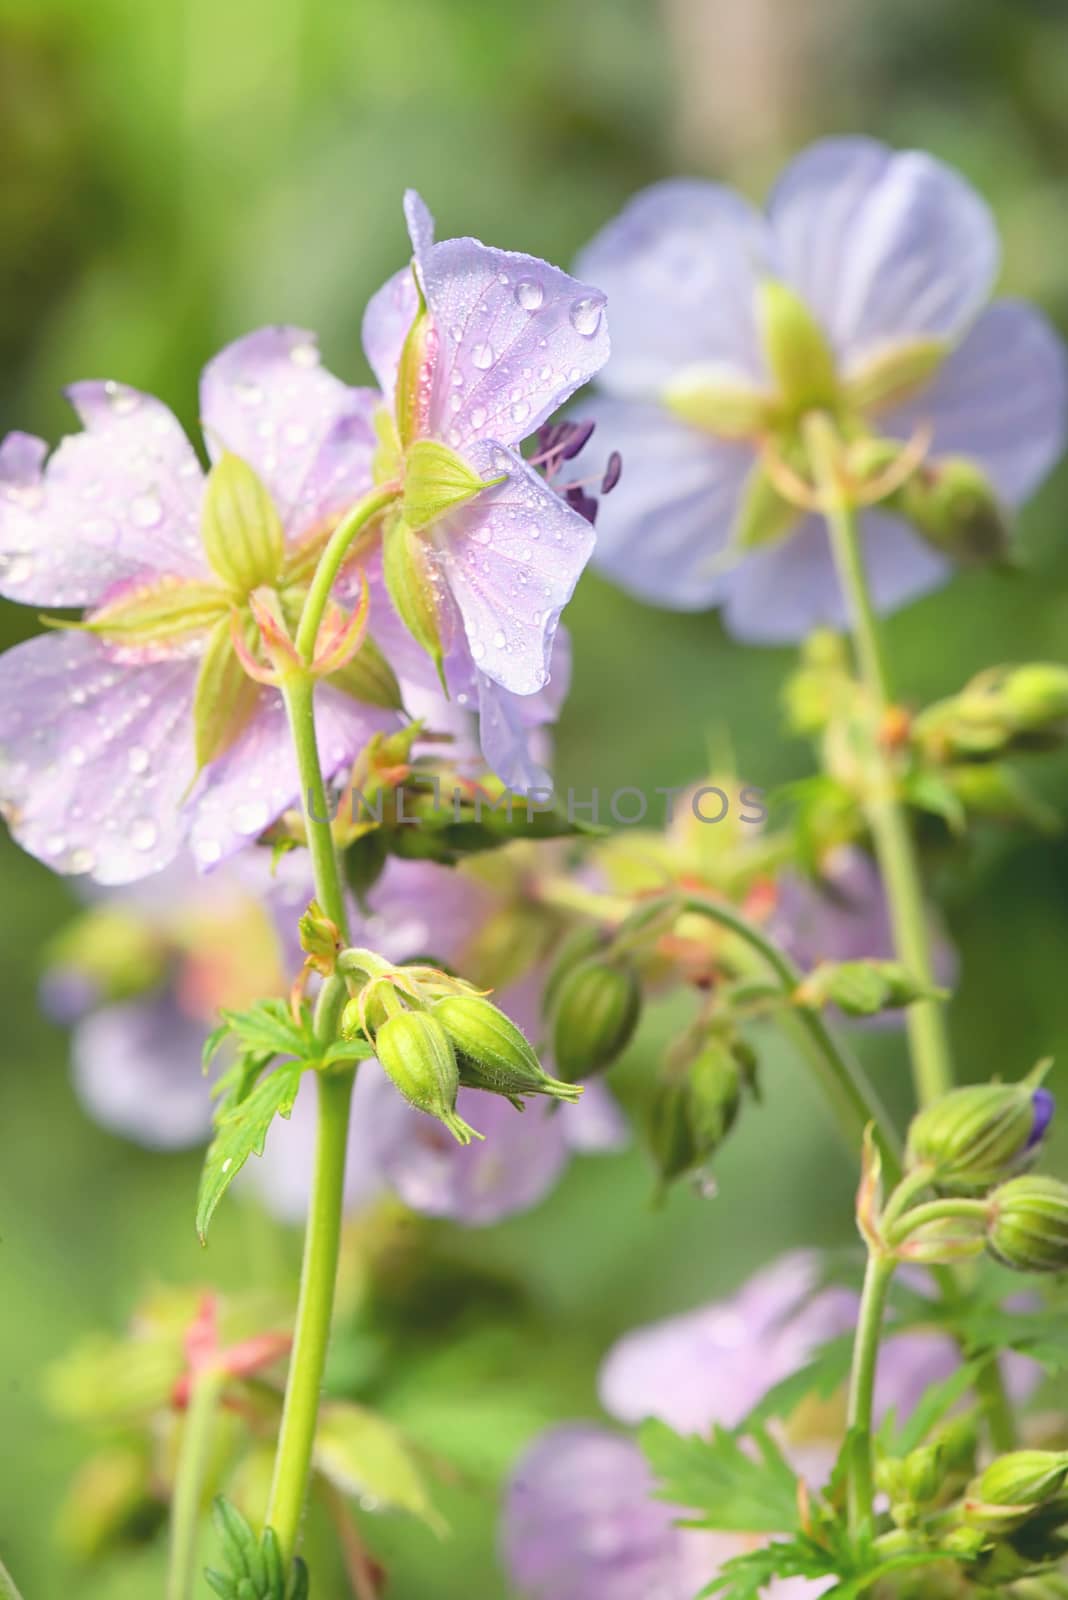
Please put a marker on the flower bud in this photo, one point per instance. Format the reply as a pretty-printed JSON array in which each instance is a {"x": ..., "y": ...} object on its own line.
[
  {"x": 582, "y": 942},
  {"x": 974, "y": 1137},
  {"x": 692, "y": 1112},
  {"x": 416, "y": 1052},
  {"x": 861, "y": 988},
  {"x": 1028, "y": 1228},
  {"x": 595, "y": 1014},
  {"x": 952, "y": 503},
  {"x": 320, "y": 938},
  {"x": 1013, "y": 1488},
  {"x": 492, "y": 1053}
]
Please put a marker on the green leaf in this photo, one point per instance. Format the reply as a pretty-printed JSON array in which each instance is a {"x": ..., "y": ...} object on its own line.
[
  {"x": 241, "y": 1132},
  {"x": 740, "y": 1492},
  {"x": 269, "y": 1026},
  {"x": 346, "y": 1050},
  {"x": 937, "y": 1402},
  {"x": 254, "y": 1566},
  {"x": 821, "y": 1376},
  {"x": 363, "y": 1455}
]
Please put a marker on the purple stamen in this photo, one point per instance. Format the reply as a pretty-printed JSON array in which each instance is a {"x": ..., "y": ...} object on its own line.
[
  {"x": 612, "y": 472},
  {"x": 578, "y": 436},
  {"x": 1044, "y": 1105},
  {"x": 583, "y": 503}
]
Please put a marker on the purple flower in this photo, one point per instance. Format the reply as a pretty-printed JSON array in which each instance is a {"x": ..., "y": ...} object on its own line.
[
  {"x": 889, "y": 257},
  {"x": 581, "y": 1523},
  {"x": 97, "y": 762},
  {"x": 501, "y": 341}
]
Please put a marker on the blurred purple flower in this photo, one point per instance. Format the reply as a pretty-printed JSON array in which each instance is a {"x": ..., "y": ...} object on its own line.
[
  {"x": 889, "y": 251},
  {"x": 510, "y": 339},
  {"x": 96, "y": 736}
]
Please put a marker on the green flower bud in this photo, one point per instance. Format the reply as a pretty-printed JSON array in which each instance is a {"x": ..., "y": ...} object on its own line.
[
  {"x": 596, "y": 1012},
  {"x": 952, "y": 503},
  {"x": 492, "y": 1053},
  {"x": 693, "y": 1111},
  {"x": 965, "y": 1543},
  {"x": 582, "y": 942},
  {"x": 1013, "y": 1488},
  {"x": 862, "y": 988},
  {"x": 974, "y": 1137},
  {"x": 1028, "y": 1228},
  {"x": 417, "y": 1053},
  {"x": 319, "y": 938}
]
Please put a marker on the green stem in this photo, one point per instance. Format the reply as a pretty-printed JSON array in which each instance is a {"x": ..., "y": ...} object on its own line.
[
  {"x": 932, "y": 1067},
  {"x": 8, "y": 1590},
  {"x": 947, "y": 1210},
  {"x": 298, "y": 693},
  {"x": 330, "y": 563},
  {"x": 862, "y": 1390},
  {"x": 186, "y": 1505}
]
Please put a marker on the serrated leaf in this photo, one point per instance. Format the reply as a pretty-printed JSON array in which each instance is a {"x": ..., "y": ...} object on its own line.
[
  {"x": 821, "y": 1376},
  {"x": 269, "y": 1027},
  {"x": 938, "y": 1400},
  {"x": 242, "y": 1133},
  {"x": 739, "y": 1490},
  {"x": 363, "y": 1455}
]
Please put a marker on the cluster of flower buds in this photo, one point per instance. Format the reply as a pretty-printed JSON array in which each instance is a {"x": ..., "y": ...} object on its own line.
[
  {"x": 593, "y": 1001},
  {"x": 862, "y": 988},
  {"x": 1003, "y": 709},
  {"x": 931, "y": 1476},
  {"x": 433, "y": 1033}
]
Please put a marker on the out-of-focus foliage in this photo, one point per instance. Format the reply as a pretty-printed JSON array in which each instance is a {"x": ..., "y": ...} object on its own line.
[{"x": 172, "y": 174}]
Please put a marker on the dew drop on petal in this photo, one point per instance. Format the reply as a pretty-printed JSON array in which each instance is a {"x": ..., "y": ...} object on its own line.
[
  {"x": 478, "y": 649},
  {"x": 55, "y": 844},
  {"x": 146, "y": 510},
  {"x": 482, "y": 357},
  {"x": 478, "y": 416},
  {"x": 585, "y": 315},
  {"x": 208, "y": 852},
  {"x": 143, "y": 833},
  {"x": 529, "y": 293},
  {"x": 249, "y": 393},
  {"x": 80, "y": 862},
  {"x": 296, "y": 433},
  {"x": 304, "y": 355},
  {"x": 16, "y": 569},
  {"x": 499, "y": 640},
  {"x": 251, "y": 818},
  {"x": 520, "y": 411},
  {"x": 122, "y": 400}
]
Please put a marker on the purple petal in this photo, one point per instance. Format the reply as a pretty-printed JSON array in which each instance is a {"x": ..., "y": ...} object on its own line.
[
  {"x": 282, "y": 1177},
  {"x": 660, "y": 532},
  {"x": 882, "y": 245},
  {"x": 595, "y": 1124},
  {"x": 1045, "y": 1106},
  {"x": 581, "y": 1523},
  {"x": 511, "y": 558},
  {"x": 512, "y": 727},
  {"x": 782, "y": 592},
  {"x": 137, "y": 1071},
  {"x": 119, "y": 501},
  {"x": 1001, "y": 398},
  {"x": 680, "y": 266},
  {"x": 418, "y": 908},
  {"x": 249, "y": 786},
  {"x": 96, "y": 756},
  {"x": 516, "y": 337},
  {"x": 389, "y": 315},
  {"x": 267, "y": 399},
  {"x": 420, "y": 223}
]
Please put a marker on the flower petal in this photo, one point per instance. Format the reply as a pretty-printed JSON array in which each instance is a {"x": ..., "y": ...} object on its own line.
[
  {"x": 662, "y": 528},
  {"x": 268, "y": 400},
  {"x": 516, "y": 337},
  {"x": 119, "y": 501},
  {"x": 1001, "y": 398},
  {"x": 512, "y": 727},
  {"x": 680, "y": 266},
  {"x": 246, "y": 789},
  {"x": 283, "y": 1176},
  {"x": 137, "y": 1071},
  {"x": 883, "y": 245},
  {"x": 95, "y": 757},
  {"x": 511, "y": 558},
  {"x": 390, "y": 313},
  {"x": 782, "y": 592}
]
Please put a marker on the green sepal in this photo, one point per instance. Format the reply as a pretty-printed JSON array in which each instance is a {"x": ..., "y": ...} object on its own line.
[
  {"x": 407, "y": 569},
  {"x": 894, "y": 375},
  {"x": 413, "y": 374},
  {"x": 436, "y": 480},
  {"x": 156, "y": 613},
  {"x": 225, "y": 697},
  {"x": 763, "y": 515},
  {"x": 702, "y": 397},
  {"x": 386, "y": 461},
  {"x": 798, "y": 353},
  {"x": 364, "y": 1456},
  {"x": 370, "y": 678},
  {"x": 240, "y": 526},
  {"x": 255, "y": 1570}
]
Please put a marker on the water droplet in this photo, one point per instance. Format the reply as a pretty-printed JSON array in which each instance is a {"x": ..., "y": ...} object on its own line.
[
  {"x": 296, "y": 433},
  {"x": 146, "y": 510},
  {"x": 454, "y": 436},
  {"x": 55, "y": 844},
  {"x": 499, "y": 640},
  {"x": 250, "y": 818},
  {"x": 457, "y": 380},
  {"x": 81, "y": 861},
  {"x": 478, "y": 650},
  {"x": 143, "y": 833},
  {"x": 456, "y": 333},
  {"x": 28, "y": 496},
  {"x": 585, "y": 315},
  {"x": 227, "y": 1164},
  {"x": 208, "y": 851},
  {"x": 16, "y": 569},
  {"x": 304, "y": 355},
  {"x": 138, "y": 760},
  {"x": 249, "y": 393},
  {"x": 455, "y": 402},
  {"x": 121, "y": 400},
  {"x": 520, "y": 411},
  {"x": 78, "y": 697},
  {"x": 77, "y": 756},
  {"x": 529, "y": 293},
  {"x": 478, "y": 416},
  {"x": 482, "y": 357}
]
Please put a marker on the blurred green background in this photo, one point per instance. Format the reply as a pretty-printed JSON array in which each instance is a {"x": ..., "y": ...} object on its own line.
[{"x": 173, "y": 174}]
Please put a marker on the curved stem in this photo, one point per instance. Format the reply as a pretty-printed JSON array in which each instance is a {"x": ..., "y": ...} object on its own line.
[
  {"x": 862, "y": 1389},
  {"x": 932, "y": 1067},
  {"x": 197, "y": 1429},
  {"x": 947, "y": 1210},
  {"x": 298, "y": 693},
  {"x": 331, "y": 561}
]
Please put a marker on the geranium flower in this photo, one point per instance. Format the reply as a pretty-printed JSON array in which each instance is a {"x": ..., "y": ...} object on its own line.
[
  {"x": 103, "y": 730},
  {"x": 474, "y": 348},
  {"x": 862, "y": 292},
  {"x": 579, "y": 1520}
]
